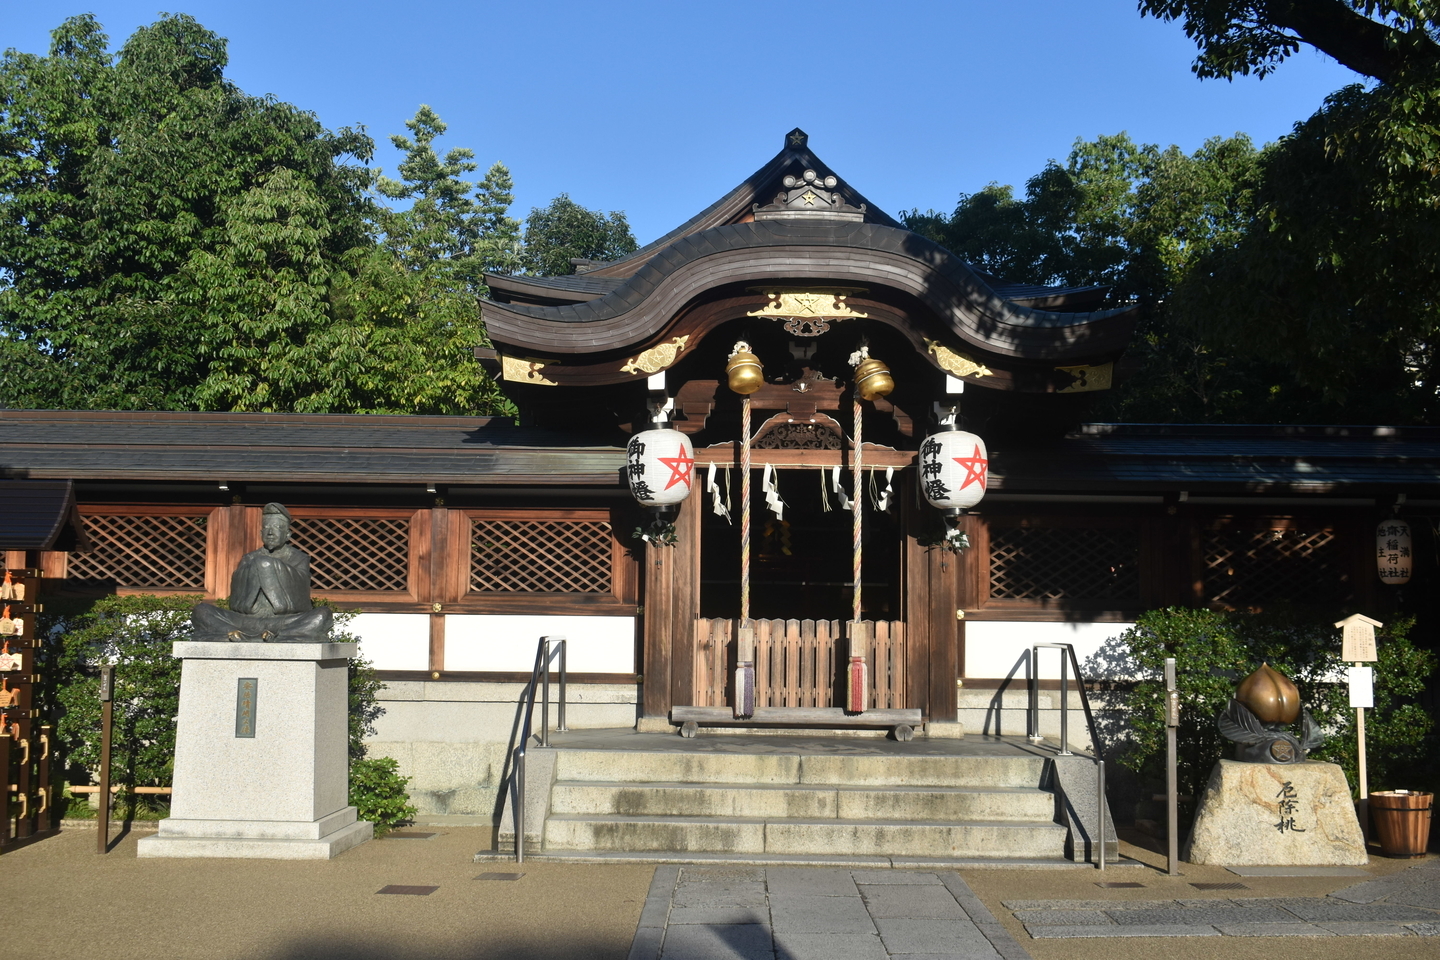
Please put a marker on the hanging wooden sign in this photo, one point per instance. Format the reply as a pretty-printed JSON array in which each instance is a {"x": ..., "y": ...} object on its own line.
[
  {"x": 10, "y": 661},
  {"x": 1393, "y": 556}
]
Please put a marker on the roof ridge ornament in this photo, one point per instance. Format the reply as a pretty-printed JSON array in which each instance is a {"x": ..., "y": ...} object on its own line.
[{"x": 810, "y": 196}]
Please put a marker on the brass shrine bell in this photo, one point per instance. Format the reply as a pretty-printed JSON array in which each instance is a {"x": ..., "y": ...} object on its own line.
[
  {"x": 744, "y": 373},
  {"x": 873, "y": 379}
]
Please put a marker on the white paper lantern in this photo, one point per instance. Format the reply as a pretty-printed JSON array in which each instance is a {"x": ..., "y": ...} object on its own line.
[
  {"x": 1393, "y": 556},
  {"x": 661, "y": 467},
  {"x": 954, "y": 469}
]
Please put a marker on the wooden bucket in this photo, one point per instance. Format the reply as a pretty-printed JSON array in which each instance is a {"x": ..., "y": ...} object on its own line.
[{"x": 1402, "y": 821}]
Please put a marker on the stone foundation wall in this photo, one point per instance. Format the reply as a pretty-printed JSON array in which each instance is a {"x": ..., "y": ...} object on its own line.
[{"x": 452, "y": 738}]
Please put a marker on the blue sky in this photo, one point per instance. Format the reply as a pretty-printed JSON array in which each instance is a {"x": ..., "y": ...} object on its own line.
[{"x": 658, "y": 108}]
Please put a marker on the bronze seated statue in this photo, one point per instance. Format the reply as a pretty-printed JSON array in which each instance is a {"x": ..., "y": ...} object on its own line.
[{"x": 269, "y": 593}]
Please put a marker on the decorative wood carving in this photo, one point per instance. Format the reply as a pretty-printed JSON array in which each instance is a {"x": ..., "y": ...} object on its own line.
[
  {"x": 783, "y": 433},
  {"x": 657, "y": 358},
  {"x": 956, "y": 363},
  {"x": 525, "y": 371}
]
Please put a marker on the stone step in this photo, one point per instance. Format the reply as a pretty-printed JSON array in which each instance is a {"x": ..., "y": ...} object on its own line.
[
  {"x": 751, "y": 836},
  {"x": 878, "y": 770},
  {"x": 804, "y": 801}
]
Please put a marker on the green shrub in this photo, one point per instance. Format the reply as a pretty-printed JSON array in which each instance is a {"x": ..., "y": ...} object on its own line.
[
  {"x": 378, "y": 792},
  {"x": 135, "y": 633},
  {"x": 1215, "y": 650}
]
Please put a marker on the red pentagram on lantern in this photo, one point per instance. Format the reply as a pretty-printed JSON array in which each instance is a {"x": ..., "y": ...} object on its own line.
[
  {"x": 975, "y": 466},
  {"x": 680, "y": 466}
]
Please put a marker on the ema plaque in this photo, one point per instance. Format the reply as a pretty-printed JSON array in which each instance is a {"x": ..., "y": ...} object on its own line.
[{"x": 245, "y": 690}]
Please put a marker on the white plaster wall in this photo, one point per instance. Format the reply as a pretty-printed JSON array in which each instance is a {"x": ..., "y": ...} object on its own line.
[
  {"x": 394, "y": 641},
  {"x": 995, "y": 649},
  {"x": 594, "y": 644}
]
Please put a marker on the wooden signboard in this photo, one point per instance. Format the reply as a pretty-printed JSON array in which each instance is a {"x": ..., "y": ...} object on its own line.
[{"x": 1358, "y": 639}]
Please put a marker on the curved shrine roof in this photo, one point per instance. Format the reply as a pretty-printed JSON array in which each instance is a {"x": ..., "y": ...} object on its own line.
[{"x": 737, "y": 241}]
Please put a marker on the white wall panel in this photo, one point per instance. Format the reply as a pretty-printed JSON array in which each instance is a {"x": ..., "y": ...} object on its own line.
[
  {"x": 995, "y": 649},
  {"x": 596, "y": 644},
  {"x": 394, "y": 641}
]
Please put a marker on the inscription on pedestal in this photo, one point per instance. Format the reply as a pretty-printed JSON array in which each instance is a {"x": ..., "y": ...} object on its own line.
[{"x": 246, "y": 689}]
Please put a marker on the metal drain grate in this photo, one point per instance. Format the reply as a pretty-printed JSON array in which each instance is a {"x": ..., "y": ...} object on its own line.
[
  {"x": 500, "y": 876},
  {"x": 1120, "y": 884},
  {"x": 1219, "y": 886},
  {"x": 407, "y": 835},
  {"x": 407, "y": 891}
]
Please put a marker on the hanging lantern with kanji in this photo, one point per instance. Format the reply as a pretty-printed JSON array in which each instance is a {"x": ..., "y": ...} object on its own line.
[
  {"x": 954, "y": 470},
  {"x": 1393, "y": 557},
  {"x": 660, "y": 465}
]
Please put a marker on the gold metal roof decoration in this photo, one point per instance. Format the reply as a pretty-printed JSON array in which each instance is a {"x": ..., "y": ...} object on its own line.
[
  {"x": 807, "y": 313},
  {"x": 657, "y": 358},
  {"x": 956, "y": 363},
  {"x": 518, "y": 370}
]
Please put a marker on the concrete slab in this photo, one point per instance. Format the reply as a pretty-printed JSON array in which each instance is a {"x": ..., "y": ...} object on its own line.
[
  {"x": 829, "y": 946},
  {"x": 910, "y": 902},
  {"x": 820, "y": 915},
  {"x": 1273, "y": 930},
  {"x": 930, "y": 936},
  {"x": 1192, "y": 915},
  {"x": 1364, "y": 929},
  {"x": 1052, "y": 918},
  {"x": 718, "y": 942},
  {"x": 1099, "y": 930},
  {"x": 811, "y": 882},
  {"x": 732, "y": 893},
  {"x": 682, "y": 915},
  {"x": 1298, "y": 871}
]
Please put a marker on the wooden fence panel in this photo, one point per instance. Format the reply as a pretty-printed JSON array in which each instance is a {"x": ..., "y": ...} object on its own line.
[{"x": 798, "y": 663}]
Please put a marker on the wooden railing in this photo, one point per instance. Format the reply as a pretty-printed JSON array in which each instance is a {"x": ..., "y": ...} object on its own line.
[{"x": 799, "y": 663}]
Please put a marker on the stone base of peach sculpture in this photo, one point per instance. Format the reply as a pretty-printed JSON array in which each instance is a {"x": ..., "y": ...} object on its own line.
[{"x": 1284, "y": 814}]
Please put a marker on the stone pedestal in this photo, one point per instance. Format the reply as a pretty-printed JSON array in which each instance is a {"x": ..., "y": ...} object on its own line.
[
  {"x": 1284, "y": 814},
  {"x": 261, "y": 754}
]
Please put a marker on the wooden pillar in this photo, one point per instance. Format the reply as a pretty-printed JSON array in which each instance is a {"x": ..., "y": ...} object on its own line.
[
  {"x": 658, "y": 622},
  {"x": 685, "y": 609},
  {"x": 933, "y": 576}
]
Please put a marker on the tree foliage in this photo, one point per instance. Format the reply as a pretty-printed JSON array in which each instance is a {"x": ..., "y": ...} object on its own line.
[
  {"x": 1379, "y": 39},
  {"x": 1335, "y": 275},
  {"x": 564, "y": 230},
  {"x": 1138, "y": 218},
  {"x": 170, "y": 242}
]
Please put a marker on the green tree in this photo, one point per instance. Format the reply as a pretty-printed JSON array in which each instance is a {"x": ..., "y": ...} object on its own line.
[
  {"x": 1336, "y": 274},
  {"x": 169, "y": 242},
  {"x": 1136, "y": 218},
  {"x": 564, "y": 230},
  {"x": 445, "y": 229}
]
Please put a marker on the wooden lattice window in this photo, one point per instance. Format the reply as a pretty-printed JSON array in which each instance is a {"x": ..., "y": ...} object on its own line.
[
  {"x": 540, "y": 556},
  {"x": 1064, "y": 563},
  {"x": 370, "y": 554},
  {"x": 157, "y": 552},
  {"x": 1245, "y": 567}
]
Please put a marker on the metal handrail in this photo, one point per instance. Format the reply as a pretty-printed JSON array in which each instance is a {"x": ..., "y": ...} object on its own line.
[
  {"x": 543, "y": 656},
  {"x": 1067, "y": 659}
]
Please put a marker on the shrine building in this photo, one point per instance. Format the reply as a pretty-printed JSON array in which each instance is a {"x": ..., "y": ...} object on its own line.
[{"x": 736, "y": 338}]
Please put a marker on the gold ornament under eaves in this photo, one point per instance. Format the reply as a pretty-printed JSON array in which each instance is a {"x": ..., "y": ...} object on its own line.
[
  {"x": 518, "y": 370},
  {"x": 657, "y": 358},
  {"x": 807, "y": 303},
  {"x": 956, "y": 363}
]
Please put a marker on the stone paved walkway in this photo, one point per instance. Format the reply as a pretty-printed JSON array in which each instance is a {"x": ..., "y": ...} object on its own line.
[
  {"x": 799, "y": 913},
  {"x": 1401, "y": 905}
]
